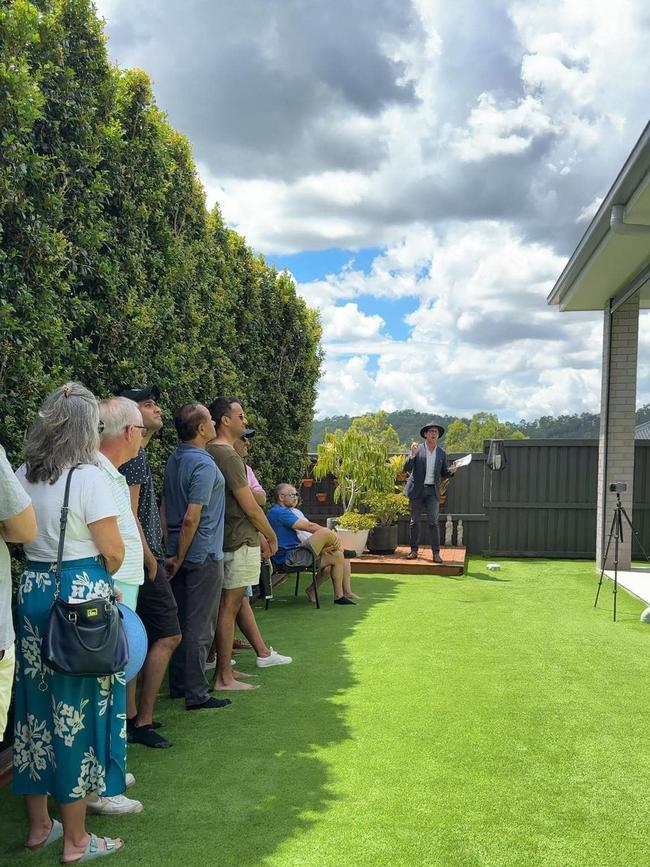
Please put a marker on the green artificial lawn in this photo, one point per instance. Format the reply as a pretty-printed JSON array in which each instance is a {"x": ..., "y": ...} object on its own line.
[{"x": 491, "y": 719}]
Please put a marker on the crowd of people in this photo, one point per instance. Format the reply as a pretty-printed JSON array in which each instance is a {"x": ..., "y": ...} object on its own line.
[{"x": 187, "y": 564}]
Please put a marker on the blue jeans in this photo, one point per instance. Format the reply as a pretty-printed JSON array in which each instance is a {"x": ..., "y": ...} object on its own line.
[{"x": 428, "y": 503}]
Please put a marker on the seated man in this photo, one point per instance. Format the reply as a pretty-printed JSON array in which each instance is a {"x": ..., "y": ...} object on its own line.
[
  {"x": 322, "y": 543},
  {"x": 325, "y": 572}
]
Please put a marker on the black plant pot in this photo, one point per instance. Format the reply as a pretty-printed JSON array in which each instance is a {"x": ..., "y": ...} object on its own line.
[{"x": 383, "y": 540}]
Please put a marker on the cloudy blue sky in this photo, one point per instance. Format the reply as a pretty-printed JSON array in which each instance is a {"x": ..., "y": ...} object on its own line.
[{"x": 424, "y": 169}]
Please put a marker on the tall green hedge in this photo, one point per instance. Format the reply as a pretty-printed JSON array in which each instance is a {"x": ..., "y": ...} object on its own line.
[{"x": 112, "y": 271}]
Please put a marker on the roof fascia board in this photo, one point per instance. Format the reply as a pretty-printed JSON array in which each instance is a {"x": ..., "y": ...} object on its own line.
[{"x": 622, "y": 190}]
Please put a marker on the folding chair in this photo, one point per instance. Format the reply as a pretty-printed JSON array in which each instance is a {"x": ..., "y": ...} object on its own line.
[{"x": 282, "y": 569}]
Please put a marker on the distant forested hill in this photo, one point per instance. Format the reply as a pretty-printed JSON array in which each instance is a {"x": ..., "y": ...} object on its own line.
[{"x": 407, "y": 423}]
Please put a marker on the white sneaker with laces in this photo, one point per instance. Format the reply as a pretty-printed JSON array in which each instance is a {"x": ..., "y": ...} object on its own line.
[
  {"x": 115, "y": 806},
  {"x": 274, "y": 659},
  {"x": 130, "y": 780}
]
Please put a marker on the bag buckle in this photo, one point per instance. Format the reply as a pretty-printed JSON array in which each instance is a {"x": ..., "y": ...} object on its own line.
[{"x": 72, "y": 616}]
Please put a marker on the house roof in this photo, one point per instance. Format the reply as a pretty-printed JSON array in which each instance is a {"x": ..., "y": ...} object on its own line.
[
  {"x": 605, "y": 263},
  {"x": 642, "y": 431}
]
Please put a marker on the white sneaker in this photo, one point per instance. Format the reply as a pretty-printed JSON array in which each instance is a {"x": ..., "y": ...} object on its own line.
[
  {"x": 115, "y": 806},
  {"x": 130, "y": 780},
  {"x": 210, "y": 663},
  {"x": 273, "y": 659}
]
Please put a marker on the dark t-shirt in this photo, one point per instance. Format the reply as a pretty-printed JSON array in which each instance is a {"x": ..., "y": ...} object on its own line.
[
  {"x": 238, "y": 530},
  {"x": 138, "y": 472}
]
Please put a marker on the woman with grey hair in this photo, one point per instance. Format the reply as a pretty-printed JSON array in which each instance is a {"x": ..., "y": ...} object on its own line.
[{"x": 70, "y": 738}]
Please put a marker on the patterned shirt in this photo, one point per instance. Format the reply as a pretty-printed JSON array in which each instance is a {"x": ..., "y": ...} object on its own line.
[{"x": 138, "y": 472}]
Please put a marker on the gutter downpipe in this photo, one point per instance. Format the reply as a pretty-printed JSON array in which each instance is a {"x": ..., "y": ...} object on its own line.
[{"x": 617, "y": 223}]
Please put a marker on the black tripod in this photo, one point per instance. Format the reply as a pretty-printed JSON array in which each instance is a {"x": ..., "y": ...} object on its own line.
[{"x": 616, "y": 533}]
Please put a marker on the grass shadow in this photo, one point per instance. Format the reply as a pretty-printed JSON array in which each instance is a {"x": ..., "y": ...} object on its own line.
[
  {"x": 240, "y": 781},
  {"x": 487, "y": 576}
]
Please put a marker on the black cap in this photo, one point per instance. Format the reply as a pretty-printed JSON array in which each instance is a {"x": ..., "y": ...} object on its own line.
[
  {"x": 249, "y": 433},
  {"x": 429, "y": 425},
  {"x": 140, "y": 393}
]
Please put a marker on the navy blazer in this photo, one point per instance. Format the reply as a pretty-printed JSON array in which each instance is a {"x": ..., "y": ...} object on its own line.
[{"x": 417, "y": 466}]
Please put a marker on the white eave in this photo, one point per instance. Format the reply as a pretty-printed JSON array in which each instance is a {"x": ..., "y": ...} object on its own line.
[{"x": 607, "y": 264}]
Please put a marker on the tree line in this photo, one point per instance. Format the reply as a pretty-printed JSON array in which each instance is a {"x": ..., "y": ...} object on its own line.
[
  {"x": 112, "y": 270},
  {"x": 467, "y": 434}
]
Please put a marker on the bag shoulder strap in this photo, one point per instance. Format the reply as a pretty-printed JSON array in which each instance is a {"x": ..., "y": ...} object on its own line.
[{"x": 63, "y": 524}]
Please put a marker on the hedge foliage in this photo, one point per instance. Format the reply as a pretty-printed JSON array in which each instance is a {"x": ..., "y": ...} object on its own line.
[{"x": 112, "y": 271}]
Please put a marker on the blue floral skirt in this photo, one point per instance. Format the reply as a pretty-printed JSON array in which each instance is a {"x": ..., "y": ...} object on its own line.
[{"x": 70, "y": 732}]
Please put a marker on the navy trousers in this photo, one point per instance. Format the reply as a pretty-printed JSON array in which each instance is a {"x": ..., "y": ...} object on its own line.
[{"x": 428, "y": 503}]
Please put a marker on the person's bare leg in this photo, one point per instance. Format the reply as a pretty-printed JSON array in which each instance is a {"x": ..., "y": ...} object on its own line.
[
  {"x": 322, "y": 576},
  {"x": 248, "y": 626},
  {"x": 75, "y": 836},
  {"x": 38, "y": 815},
  {"x": 228, "y": 609},
  {"x": 347, "y": 584},
  {"x": 131, "y": 706},
  {"x": 336, "y": 560},
  {"x": 152, "y": 675}
]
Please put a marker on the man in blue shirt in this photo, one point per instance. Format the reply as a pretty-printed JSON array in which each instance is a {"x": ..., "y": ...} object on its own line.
[
  {"x": 193, "y": 514},
  {"x": 291, "y": 552}
]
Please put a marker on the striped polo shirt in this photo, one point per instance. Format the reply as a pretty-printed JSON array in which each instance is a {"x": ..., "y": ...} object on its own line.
[{"x": 132, "y": 569}]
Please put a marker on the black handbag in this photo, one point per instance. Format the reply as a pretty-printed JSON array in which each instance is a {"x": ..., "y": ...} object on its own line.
[{"x": 83, "y": 639}]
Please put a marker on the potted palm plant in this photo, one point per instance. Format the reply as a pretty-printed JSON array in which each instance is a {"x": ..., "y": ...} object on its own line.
[{"x": 387, "y": 508}]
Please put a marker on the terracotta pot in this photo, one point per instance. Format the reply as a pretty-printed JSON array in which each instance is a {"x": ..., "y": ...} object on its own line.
[
  {"x": 321, "y": 498},
  {"x": 307, "y": 483}
]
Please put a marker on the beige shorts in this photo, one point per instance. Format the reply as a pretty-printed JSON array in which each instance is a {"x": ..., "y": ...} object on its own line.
[
  {"x": 6, "y": 681},
  {"x": 241, "y": 567}
]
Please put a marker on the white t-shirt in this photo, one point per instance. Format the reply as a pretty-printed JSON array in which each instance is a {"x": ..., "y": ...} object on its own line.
[
  {"x": 132, "y": 569},
  {"x": 90, "y": 500},
  {"x": 13, "y": 501},
  {"x": 303, "y": 535}
]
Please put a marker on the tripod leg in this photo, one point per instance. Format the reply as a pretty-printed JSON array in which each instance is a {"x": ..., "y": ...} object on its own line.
[
  {"x": 635, "y": 534},
  {"x": 618, "y": 534},
  {"x": 602, "y": 571}
]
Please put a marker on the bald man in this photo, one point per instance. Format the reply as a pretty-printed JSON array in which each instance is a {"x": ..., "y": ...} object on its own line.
[{"x": 322, "y": 543}]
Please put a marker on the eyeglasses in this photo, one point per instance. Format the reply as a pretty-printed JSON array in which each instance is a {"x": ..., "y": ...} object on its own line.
[
  {"x": 292, "y": 495},
  {"x": 141, "y": 427}
]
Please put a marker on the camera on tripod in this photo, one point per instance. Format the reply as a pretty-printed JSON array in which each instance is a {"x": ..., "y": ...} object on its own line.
[{"x": 618, "y": 487}]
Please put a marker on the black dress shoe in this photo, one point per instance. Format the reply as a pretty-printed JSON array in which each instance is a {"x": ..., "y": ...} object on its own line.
[
  {"x": 437, "y": 558},
  {"x": 412, "y": 555}
]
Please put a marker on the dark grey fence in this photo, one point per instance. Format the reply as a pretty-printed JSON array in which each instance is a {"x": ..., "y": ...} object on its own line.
[{"x": 543, "y": 504}]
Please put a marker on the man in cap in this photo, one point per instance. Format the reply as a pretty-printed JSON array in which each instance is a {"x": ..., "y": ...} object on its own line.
[
  {"x": 156, "y": 604},
  {"x": 427, "y": 464}
]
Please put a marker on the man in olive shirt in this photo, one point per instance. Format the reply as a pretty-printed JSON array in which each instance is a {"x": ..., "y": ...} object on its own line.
[{"x": 243, "y": 520}]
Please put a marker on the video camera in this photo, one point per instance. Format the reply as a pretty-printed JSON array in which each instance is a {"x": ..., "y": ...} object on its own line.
[{"x": 618, "y": 487}]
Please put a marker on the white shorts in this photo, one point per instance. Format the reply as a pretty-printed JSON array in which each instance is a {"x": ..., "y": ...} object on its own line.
[{"x": 241, "y": 567}]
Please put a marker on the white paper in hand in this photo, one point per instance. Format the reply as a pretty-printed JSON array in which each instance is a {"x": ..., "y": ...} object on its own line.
[{"x": 462, "y": 462}]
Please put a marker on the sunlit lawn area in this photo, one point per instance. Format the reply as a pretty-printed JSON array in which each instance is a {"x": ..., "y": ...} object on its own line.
[{"x": 493, "y": 719}]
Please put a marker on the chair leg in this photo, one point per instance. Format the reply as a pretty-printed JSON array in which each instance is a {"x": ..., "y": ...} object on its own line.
[
  {"x": 315, "y": 586},
  {"x": 297, "y": 582}
]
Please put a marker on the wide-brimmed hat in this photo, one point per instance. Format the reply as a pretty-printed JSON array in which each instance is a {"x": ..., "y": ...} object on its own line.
[
  {"x": 140, "y": 393},
  {"x": 136, "y": 636},
  {"x": 429, "y": 425}
]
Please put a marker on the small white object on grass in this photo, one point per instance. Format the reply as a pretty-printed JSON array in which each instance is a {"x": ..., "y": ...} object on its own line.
[
  {"x": 645, "y": 615},
  {"x": 493, "y": 566}
]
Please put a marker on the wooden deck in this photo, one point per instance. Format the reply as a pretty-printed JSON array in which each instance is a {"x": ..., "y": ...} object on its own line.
[{"x": 453, "y": 563}]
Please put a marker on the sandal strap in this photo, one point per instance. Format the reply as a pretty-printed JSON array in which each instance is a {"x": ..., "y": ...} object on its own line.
[{"x": 94, "y": 847}]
